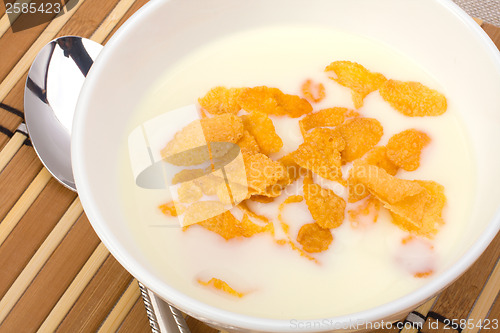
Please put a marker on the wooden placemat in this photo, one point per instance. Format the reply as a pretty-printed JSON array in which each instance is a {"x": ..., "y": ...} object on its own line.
[{"x": 55, "y": 275}]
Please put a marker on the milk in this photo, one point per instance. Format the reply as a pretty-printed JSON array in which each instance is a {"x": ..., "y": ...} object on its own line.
[{"x": 365, "y": 266}]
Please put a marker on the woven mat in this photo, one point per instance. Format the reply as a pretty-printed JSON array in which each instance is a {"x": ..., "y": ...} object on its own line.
[
  {"x": 55, "y": 275},
  {"x": 486, "y": 10}
]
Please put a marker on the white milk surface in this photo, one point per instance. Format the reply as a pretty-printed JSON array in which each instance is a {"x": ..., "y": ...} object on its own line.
[{"x": 365, "y": 266}]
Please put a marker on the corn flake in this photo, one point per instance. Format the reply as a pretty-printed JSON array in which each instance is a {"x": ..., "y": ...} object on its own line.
[
  {"x": 222, "y": 286},
  {"x": 208, "y": 183},
  {"x": 356, "y": 77},
  {"x": 222, "y": 152},
  {"x": 352, "y": 114},
  {"x": 221, "y": 100},
  {"x": 436, "y": 191},
  {"x": 257, "y": 175},
  {"x": 413, "y": 99},
  {"x": 313, "y": 238},
  {"x": 273, "y": 190},
  {"x": 190, "y": 145},
  {"x": 228, "y": 226},
  {"x": 415, "y": 205},
  {"x": 189, "y": 192},
  {"x": 421, "y": 214},
  {"x": 294, "y": 247},
  {"x": 222, "y": 128},
  {"x": 186, "y": 156},
  {"x": 261, "y": 127},
  {"x": 360, "y": 135},
  {"x": 248, "y": 144},
  {"x": 203, "y": 210},
  {"x": 320, "y": 153},
  {"x": 249, "y": 228},
  {"x": 404, "y": 148},
  {"x": 378, "y": 157},
  {"x": 292, "y": 199},
  {"x": 327, "y": 208},
  {"x": 370, "y": 207},
  {"x": 355, "y": 189},
  {"x": 323, "y": 118},
  {"x": 262, "y": 173},
  {"x": 289, "y": 200},
  {"x": 237, "y": 193},
  {"x": 385, "y": 187},
  {"x": 234, "y": 168},
  {"x": 307, "y": 91},
  {"x": 202, "y": 113},
  {"x": 187, "y": 175},
  {"x": 247, "y": 211},
  {"x": 261, "y": 198},
  {"x": 294, "y": 171},
  {"x": 224, "y": 194},
  {"x": 273, "y": 101},
  {"x": 424, "y": 274},
  {"x": 261, "y": 99},
  {"x": 172, "y": 208},
  {"x": 293, "y": 105}
]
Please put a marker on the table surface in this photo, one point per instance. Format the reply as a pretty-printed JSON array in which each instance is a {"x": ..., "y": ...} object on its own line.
[
  {"x": 487, "y": 10},
  {"x": 55, "y": 275}
]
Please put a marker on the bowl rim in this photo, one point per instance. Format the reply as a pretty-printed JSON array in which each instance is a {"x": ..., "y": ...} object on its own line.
[{"x": 211, "y": 313}]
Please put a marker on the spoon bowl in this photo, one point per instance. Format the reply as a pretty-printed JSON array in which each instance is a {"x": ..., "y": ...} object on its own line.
[{"x": 52, "y": 89}]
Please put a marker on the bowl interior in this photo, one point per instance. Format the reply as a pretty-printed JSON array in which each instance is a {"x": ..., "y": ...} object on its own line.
[{"x": 435, "y": 34}]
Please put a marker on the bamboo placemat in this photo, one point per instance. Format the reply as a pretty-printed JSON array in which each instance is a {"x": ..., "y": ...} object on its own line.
[{"x": 55, "y": 275}]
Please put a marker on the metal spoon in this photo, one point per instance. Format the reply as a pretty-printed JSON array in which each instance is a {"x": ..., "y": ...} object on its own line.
[{"x": 50, "y": 95}]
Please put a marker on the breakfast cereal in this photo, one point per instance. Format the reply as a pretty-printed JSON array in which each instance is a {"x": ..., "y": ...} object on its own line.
[
  {"x": 360, "y": 135},
  {"x": 273, "y": 101},
  {"x": 221, "y": 100},
  {"x": 327, "y": 208},
  {"x": 413, "y": 98},
  {"x": 307, "y": 91},
  {"x": 261, "y": 127},
  {"x": 314, "y": 238},
  {"x": 248, "y": 144},
  {"x": 320, "y": 153},
  {"x": 356, "y": 77},
  {"x": 222, "y": 286},
  {"x": 404, "y": 148},
  {"x": 323, "y": 118},
  {"x": 189, "y": 146}
]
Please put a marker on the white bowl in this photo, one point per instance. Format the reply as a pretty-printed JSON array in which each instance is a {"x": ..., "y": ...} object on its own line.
[{"x": 435, "y": 33}]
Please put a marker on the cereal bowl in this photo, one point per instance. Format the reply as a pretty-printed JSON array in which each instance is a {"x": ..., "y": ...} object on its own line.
[{"x": 434, "y": 33}]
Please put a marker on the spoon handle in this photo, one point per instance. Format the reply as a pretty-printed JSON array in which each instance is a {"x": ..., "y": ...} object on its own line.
[{"x": 163, "y": 317}]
